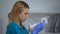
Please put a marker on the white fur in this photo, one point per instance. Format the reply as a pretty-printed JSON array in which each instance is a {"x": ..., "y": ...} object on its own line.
[{"x": 31, "y": 26}]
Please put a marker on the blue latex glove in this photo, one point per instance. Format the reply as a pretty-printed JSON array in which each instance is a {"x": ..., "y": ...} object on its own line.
[{"x": 38, "y": 27}]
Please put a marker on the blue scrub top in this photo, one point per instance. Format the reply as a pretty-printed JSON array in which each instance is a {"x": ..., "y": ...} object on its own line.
[{"x": 14, "y": 28}]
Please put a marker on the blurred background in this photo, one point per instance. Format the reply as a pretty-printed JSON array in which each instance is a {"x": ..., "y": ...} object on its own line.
[{"x": 38, "y": 9}]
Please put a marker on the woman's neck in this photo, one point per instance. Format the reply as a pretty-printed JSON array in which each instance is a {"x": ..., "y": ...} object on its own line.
[{"x": 19, "y": 22}]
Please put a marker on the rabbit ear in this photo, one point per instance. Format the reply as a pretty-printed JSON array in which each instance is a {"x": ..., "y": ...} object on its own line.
[{"x": 45, "y": 19}]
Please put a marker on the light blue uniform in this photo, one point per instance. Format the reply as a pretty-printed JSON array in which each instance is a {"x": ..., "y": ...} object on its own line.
[{"x": 14, "y": 28}]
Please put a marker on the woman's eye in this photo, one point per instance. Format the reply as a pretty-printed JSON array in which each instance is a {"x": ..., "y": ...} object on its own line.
[{"x": 26, "y": 13}]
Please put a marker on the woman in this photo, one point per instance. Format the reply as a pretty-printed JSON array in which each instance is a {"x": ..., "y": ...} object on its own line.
[{"x": 18, "y": 14}]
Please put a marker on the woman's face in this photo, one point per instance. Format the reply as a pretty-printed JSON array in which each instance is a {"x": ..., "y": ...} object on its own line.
[{"x": 24, "y": 14}]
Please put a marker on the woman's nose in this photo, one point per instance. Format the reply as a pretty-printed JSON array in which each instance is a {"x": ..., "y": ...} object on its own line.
[{"x": 27, "y": 16}]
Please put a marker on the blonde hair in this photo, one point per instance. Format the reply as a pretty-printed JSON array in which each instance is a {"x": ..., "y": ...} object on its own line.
[{"x": 17, "y": 8}]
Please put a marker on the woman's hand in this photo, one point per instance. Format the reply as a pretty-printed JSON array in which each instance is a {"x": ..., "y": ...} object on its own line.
[{"x": 37, "y": 27}]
